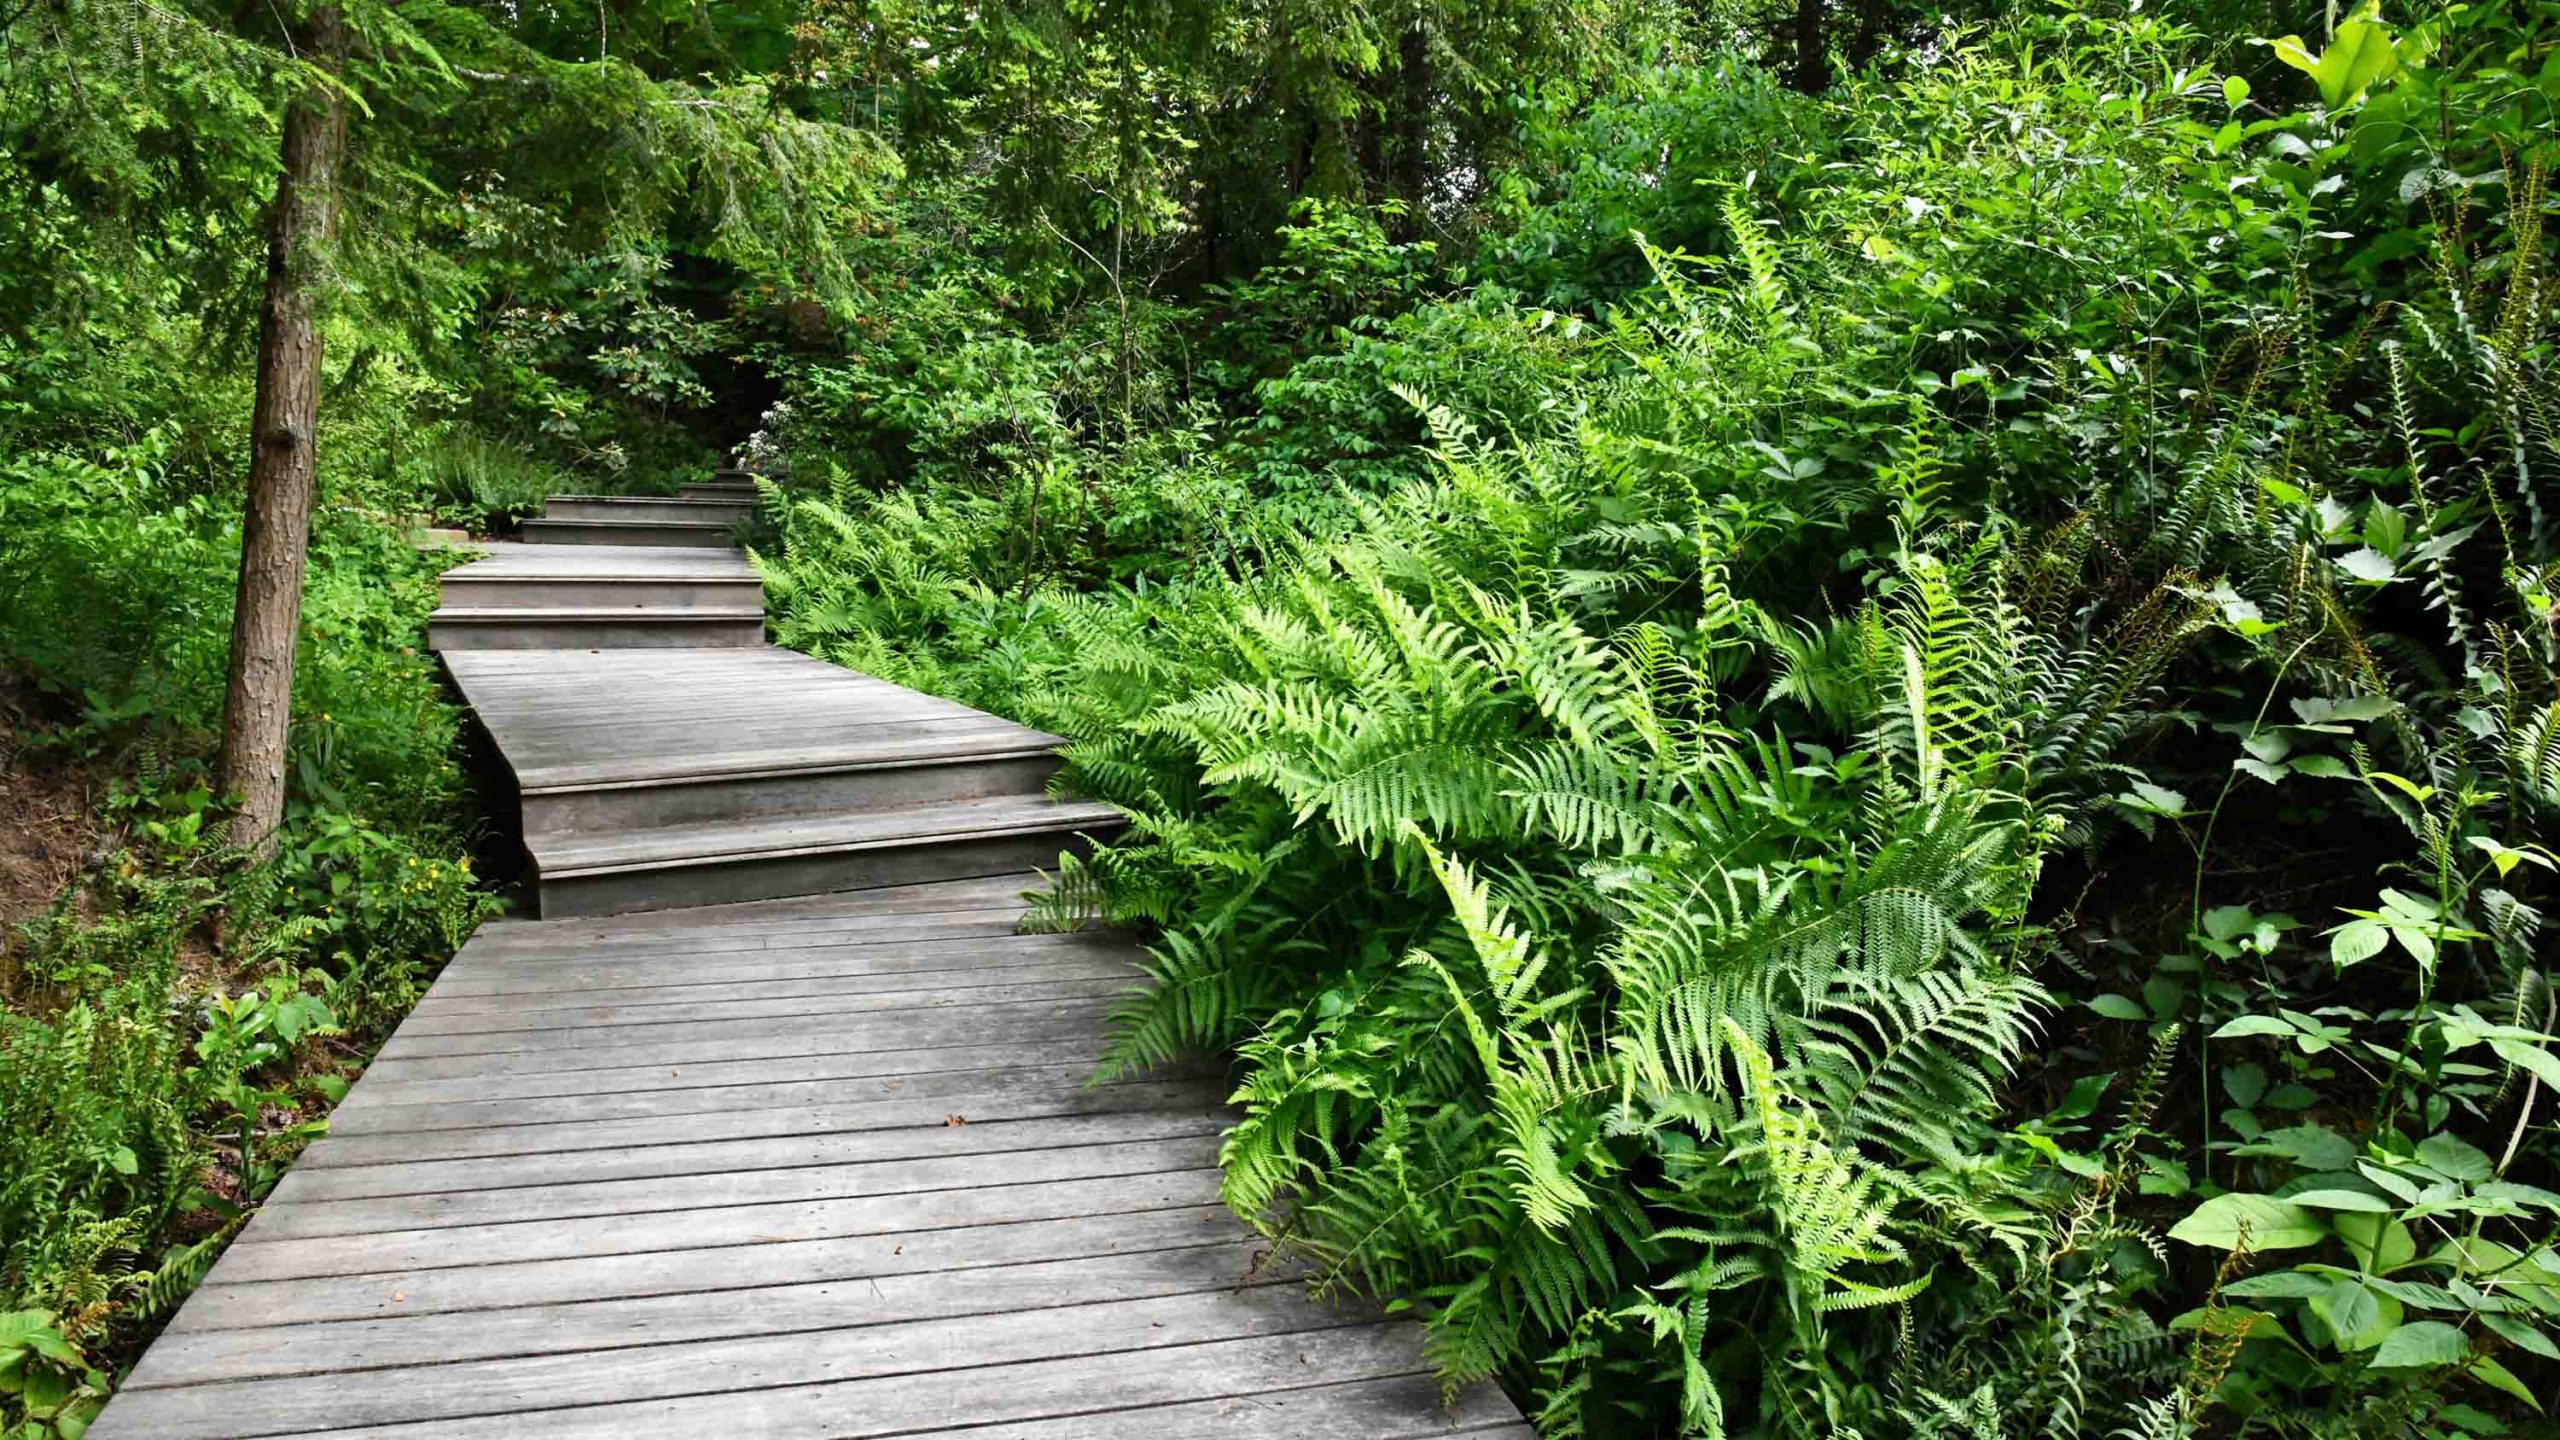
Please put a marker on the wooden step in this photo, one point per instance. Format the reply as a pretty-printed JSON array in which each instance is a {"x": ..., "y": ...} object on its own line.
[
  {"x": 524, "y": 627},
  {"x": 637, "y": 593},
  {"x": 880, "y": 775},
  {"x": 547, "y": 531},
  {"x": 652, "y": 507},
  {"x": 664, "y": 867}
]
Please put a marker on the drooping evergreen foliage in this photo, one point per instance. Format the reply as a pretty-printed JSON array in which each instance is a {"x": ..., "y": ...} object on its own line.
[{"x": 1849, "y": 714}]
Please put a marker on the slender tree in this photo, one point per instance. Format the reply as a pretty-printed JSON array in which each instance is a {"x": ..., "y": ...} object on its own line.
[{"x": 284, "y": 450}]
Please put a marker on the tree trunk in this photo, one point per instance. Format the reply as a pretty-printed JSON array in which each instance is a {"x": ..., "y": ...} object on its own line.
[
  {"x": 1813, "y": 63},
  {"x": 267, "y": 614},
  {"x": 1411, "y": 180}
]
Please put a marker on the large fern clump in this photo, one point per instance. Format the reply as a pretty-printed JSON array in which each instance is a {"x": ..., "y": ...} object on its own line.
[{"x": 1751, "y": 895}]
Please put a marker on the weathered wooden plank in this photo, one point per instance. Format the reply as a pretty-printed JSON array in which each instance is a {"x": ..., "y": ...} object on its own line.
[
  {"x": 311, "y": 1217},
  {"x": 391, "y": 1092},
  {"x": 791, "y": 942},
  {"x": 931, "y": 1030},
  {"x": 529, "y": 982},
  {"x": 445, "y": 1337},
  {"x": 988, "y": 918},
  {"x": 868, "y": 975},
  {"x": 926, "y": 894},
  {"x": 937, "y": 1086},
  {"x": 948, "y": 822},
  {"x": 636, "y": 1019},
  {"x": 1406, "y": 1407},
  {"x": 482, "y": 1289},
  {"x": 736, "y": 1157},
  {"x": 1011, "y": 1098},
  {"x": 885, "y": 1021},
  {"x": 546, "y": 1385},
  {"x": 930, "y": 1401},
  {"x": 474, "y": 1245}
]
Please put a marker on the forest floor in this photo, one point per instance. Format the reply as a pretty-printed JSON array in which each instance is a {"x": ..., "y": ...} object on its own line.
[{"x": 52, "y": 805}]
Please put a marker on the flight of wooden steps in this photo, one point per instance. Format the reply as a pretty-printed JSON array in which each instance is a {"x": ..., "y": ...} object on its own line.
[
  {"x": 665, "y": 756},
  {"x": 827, "y": 1166}
]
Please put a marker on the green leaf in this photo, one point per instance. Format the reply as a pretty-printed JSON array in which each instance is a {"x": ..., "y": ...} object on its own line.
[
  {"x": 2313, "y": 1147},
  {"x": 2454, "y": 1158},
  {"x": 2360, "y": 56},
  {"x": 2379, "y": 1243},
  {"x": 2528, "y": 1057},
  {"x": 2117, "y": 1007},
  {"x": 2293, "y": 52},
  {"x": 2341, "y": 1200},
  {"x": 2368, "y": 565},
  {"x": 2489, "y": 1372},
  {"x": 2522, "y": 1334},
  {"x": 2421, "y": 1344},
  {"x": 2269, "y": 1223},
  {"x": 2235, "y": 91},
  {"x": 2248, "y": 1025},
  {"x": 2356, "y": 942},
  {"x": 2353, "y": 1314},
  {"x": 2083, "y": 1096},
  {"x": 2222, "y": 922},
  {"x": 25, "y": 1331},
  {"x": 2279, "y": 1285}
]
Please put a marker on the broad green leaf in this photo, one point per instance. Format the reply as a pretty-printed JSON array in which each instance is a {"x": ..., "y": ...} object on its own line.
[
  {"x": 2528, "y": 1057},
  {"x": 2248, "y": 1025},
  {"x": 2356, "y": 942},
  {"x": 2341, "y": 1200},
  {"x": 2279, "y": 1285},
  {"x": 2117, "y": 1007},
  {"x": 2490, "y": 1372},
  {"x": 2355, "y": 1315},
  {"x": 2083, "y": 1096},
  {"x": 2421, "y": 1344},
  {"x": 2454, "y": 1158},
  {"x": 2268, "y": 1223},
  {"x": 2360, "y": 56},
  {"x": 2313, "y": 1147},
  {"x": 2522, "y": 1334},
  {"x": 24, "y": 1331},
  {"x": 2379, "y": 1243},
  {"x": 2293, "y": 52}
]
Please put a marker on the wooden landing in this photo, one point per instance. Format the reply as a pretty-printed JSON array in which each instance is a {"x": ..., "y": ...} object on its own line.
[
  {"x": 587, "y": 717},
  {"x": 814, "y": 1167},
  {"x": 822, "y": 1166}
]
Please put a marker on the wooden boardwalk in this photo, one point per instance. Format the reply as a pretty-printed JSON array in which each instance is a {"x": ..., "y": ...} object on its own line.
[{"x": 822, "y": 1165}]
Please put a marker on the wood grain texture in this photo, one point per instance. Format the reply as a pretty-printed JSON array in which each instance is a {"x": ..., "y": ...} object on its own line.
[
  {"x": 772, "y": 1244},
  {"x": 827, "y": 1165}
]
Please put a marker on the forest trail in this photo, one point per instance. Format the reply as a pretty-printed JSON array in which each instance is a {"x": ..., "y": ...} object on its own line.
[{"x": 773, "y": 1125}]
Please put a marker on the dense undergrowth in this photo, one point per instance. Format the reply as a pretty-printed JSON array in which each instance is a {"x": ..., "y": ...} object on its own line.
[
  {"x": 177, "y": 1022},
  {"x": 1872, "y": 762},
  {"x": 1881, "y": 769}
]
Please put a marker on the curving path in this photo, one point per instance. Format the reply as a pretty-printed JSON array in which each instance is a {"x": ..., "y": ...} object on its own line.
[{"x": 773, "y": 1126}]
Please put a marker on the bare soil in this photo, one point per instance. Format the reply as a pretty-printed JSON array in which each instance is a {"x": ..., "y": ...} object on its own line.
[{"x": 48, "y": 815}]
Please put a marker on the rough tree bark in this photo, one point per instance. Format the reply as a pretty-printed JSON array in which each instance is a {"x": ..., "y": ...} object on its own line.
[
  {"x": 1813, "y": 59},
  {"x": 267, "y": 614},
  {"x": 1410, "y": 179}
]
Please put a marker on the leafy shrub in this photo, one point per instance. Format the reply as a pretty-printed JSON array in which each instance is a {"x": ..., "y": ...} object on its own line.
[{"x": 1658, "y": 849}]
